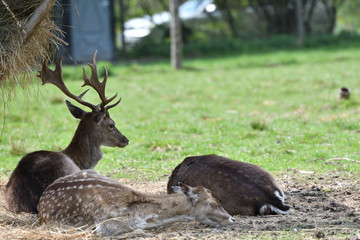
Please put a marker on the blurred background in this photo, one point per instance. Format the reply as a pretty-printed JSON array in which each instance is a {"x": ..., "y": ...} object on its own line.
[{"x": 122, "y": 29}]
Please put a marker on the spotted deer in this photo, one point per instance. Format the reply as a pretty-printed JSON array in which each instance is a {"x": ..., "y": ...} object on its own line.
[
  {"x": 37, "y": 170},
  {"x": 241, "y": 188},
  {"x": 89, "y": 199}
]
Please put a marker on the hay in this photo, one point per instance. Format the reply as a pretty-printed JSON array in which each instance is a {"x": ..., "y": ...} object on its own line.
[
  {"x": 18, "y": 58},
  {"x": 27, "y": 226}
]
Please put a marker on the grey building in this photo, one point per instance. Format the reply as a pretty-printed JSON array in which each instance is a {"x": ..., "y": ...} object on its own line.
[{"x": 88, "y": 26}]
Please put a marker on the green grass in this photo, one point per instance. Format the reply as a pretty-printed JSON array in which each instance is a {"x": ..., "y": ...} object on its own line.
[{"x": 278, "y": 109}]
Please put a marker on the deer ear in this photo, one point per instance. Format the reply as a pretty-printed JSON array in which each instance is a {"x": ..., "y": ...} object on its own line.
[
  {"x": 75, "y": 111},
  {"x": 189, "y": 192}
]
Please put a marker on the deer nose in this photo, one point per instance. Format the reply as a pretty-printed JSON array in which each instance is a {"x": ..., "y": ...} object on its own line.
[{"x": 125, "y": 140}]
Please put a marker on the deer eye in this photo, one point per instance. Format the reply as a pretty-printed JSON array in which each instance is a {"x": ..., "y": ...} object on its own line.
[{"x": 111, "y": 126}]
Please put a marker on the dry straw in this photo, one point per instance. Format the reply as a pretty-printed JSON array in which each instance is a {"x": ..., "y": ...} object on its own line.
[
  {"x": 21, "y": 54},
  {"x": 27, "y": 225}
]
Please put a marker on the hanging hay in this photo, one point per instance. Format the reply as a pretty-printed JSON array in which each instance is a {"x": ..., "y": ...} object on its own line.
[{"x": 19, "y": 57}]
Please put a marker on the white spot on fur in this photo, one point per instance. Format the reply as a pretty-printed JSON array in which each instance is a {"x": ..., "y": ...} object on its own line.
[
  {"x": 262, "y": 209},
  {"x": 272, "y": 208},
  {"x": 279, "y": 196}
]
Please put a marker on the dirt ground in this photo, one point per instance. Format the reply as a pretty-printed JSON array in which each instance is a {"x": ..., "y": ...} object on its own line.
[{"x": 323, "y": 206}]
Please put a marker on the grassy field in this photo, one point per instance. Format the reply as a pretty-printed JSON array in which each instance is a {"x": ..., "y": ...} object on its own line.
[{"x": 278, "y": 109}]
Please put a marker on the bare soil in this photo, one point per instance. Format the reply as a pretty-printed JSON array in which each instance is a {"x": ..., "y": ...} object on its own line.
[{"x": 323, "y": 206}]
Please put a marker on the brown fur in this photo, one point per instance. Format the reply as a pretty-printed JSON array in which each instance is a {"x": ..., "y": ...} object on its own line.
[
  {"x": 242, "y": 188},
  {"x": 89, "y": 199},
  {"x": 37, "y": 170}
]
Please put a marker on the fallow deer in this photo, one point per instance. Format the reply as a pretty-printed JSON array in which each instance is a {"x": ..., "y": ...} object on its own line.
[
  {"x": 88, "y": 199},
  {"x": 37, "y": 170},
  {"x": 241, "y": 188}
]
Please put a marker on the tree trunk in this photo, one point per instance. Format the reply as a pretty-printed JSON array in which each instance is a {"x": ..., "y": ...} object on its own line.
[
  {"x": 269, "y": 19},
  {"x": 175, "y": 35},
  {"x": 300, "y": 22},
  {"x": 229, "y": 18},
  {"x": 164, "y": 4},
  {"x": 307, "y": 20},
  {"x": 331, "y": 14},
  {"x": 122, "y": 28},
  {"x": 145, "y": 6}
]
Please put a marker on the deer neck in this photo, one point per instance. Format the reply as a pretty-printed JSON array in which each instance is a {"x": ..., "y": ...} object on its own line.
[
  {"x": 84, "y": 150},
  {"x": 164, "y": 209}
]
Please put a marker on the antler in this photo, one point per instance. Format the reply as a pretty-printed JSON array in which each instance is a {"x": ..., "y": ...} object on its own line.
[
  {"x": 99, "y": 87},
  {"x": 56, "y": 78}
]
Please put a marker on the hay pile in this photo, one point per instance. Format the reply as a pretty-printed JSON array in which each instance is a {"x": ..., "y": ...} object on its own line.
[{"x": 18, "y": 58}]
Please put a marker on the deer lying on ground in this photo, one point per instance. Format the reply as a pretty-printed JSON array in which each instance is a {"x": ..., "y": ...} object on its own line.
[
  {"x": 38, "y": 169},
  {"x": 241, "y": 188},
  {"x": 89, "y": 199}
]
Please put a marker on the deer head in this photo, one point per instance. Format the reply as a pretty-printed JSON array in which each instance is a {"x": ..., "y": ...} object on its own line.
[
  {"x": 96, "y": 128},
  {"x": 206, "y": 208}
]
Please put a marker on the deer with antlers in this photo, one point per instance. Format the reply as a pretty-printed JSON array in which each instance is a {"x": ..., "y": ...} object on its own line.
[{"x": 37, "y": 170}]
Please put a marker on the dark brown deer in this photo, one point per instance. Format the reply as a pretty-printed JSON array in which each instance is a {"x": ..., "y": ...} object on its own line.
[
  {"x": 38, "y": 169},
  {"x": 88, "y": 199},
  {"x": 242, "y": 188}
]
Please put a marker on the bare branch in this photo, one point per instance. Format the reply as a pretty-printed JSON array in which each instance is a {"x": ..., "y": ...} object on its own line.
[{"x": 34, "y": 21}]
